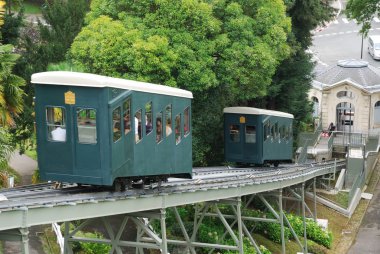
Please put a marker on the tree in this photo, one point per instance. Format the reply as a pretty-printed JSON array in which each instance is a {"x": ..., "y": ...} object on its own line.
[
  {"x": 6, "y": 148},
  {"x": 306, "y": 15},
  {"x": 2, "y": 11},
  {"x": 12, "y": 25},
  {"x": 42, "y": 45},
  {"x": 11, "y": 93},
  {"x": 65, "y": 20},
  {"x": 363, "y": 11},
  {"x": 289, "y": 89},
  {"x": 225, "y": 52}
]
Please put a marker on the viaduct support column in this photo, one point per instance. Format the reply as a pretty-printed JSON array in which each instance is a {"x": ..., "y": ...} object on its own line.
[
  {"x": 281, "y": 217},
  {"x": 304, "y": 218},
  {"x": 164, "y": 244}
]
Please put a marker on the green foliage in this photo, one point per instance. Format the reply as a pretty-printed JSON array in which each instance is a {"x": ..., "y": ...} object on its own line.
[
  {"x": 6, "y": 147},
  {"x": 5, "y": 173},
  {"x": 44, "y": 45},
  {"x": 2, "y": 12},
  {"x": 64, "y": 66},
  {"x": 307, "y": 15},
  {"x": 225, "y": 52},
  {"x": 36, "y": 176},
  {"x": 288, "y": 91},
  {"x": 65, "y": 19},
  {"x": 12, "y": 25},
  {"x": 313, "y": 230},
  {"x": 92, "y": 248},
  {"x": 314, "y": 248},
  {"x": 363, "y": 11},
  {"x": 11, "y": 93}
]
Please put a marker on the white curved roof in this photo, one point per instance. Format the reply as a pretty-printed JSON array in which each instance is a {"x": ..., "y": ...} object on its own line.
[
  {"x": 256, "y": 111},
  {"x": 67, "y": 78}
]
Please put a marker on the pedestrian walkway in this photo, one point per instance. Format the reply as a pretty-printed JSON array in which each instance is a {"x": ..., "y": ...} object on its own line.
[
  {"x": 368, "y": 237},
  {"x": 25, "y": 166}
]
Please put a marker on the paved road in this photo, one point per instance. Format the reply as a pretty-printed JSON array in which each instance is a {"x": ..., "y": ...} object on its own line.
[
  {"x": 341, "y": 40},
  {"x": 368, "y": 238}
]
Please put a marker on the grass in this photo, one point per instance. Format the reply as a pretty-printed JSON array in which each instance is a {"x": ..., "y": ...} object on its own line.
[
  {"x": 49, "y": 241},
  {"x": 276, "y": 248},
  {"x": 30, "y": 8},
  {"x": 31, "y": 153},
  {"x": 340, "y": 199}
]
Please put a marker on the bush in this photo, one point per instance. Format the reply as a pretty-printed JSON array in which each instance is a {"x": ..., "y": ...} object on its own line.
[
  {"x": 36, "y": 176},
  {"x": 92, "y": 248},
  {"x": 313, "y": 230},
  {"x": 317, "y": 234}
]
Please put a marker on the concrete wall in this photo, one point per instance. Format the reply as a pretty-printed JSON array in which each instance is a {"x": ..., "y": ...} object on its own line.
[{"x": 362, "y": 101}]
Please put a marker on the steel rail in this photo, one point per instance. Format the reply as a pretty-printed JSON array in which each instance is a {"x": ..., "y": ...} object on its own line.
[{"x": 43, "y": 195}]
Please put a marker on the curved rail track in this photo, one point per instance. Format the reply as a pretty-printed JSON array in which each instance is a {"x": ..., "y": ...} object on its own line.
[{"x": 204, "y": 179}]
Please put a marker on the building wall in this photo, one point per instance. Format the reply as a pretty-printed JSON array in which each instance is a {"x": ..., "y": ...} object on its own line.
[{"x": 362, "y": 102}]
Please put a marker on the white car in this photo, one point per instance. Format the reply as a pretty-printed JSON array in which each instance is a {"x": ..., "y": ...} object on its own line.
[{"x": 374, "y": 46}]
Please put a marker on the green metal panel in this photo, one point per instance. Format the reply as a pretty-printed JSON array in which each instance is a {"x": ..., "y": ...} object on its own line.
[
  {"x": 271, "y": 149},
  {"x": 106, "y": 160},
  {"x": 242, "y": 151},
  {"x": 149, "y": 158},
  {"x": 70, "y": 161},
  {"x": 278, "y": 148}
]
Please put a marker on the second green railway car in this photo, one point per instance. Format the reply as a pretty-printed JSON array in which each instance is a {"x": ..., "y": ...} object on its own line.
[
  {"x": 257, "y": 136},
  {"x": 98, "y": 130}
]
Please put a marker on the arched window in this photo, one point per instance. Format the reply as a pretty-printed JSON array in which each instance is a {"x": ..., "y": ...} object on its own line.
[
  {"x": 376, "y": 113},
  {"x": 315, "y": 106},
  {"x": 345, "y": 94}
]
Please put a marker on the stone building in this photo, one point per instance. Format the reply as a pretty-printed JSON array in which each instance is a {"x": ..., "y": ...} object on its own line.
[{"x": 347, "y": 95}]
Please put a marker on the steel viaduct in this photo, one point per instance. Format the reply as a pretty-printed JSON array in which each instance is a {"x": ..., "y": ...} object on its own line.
[{"x": 23, "y": 207}]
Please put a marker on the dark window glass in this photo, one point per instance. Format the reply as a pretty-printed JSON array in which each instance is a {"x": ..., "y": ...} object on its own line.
[
  {"x": 127, "y": 116},
  {"x": 250, "y": 134},
  {"x": 273, "y": 132},
  {"x": 168, "y": 117},
  {"x": 276, "y": 131},
  {"x": 148, "y": 118},
  {"x": 266, "y": 130},
  {"x": 178, "y": 129},
  {"x": 234, "y": 133},
  {"x": 186, "y": 126},
  {"x": 159, "y": 127},
  {"x": 116, "y": 124},
  {"x": 86, "y": 124},
  {"x": 56, "y": 123}
]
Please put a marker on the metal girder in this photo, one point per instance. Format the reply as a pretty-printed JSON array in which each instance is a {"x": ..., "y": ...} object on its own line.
[
  {"x": 37, "y": 215},
  {"x": 134, "y": 208},
  {"x": 147, "y": 238}
]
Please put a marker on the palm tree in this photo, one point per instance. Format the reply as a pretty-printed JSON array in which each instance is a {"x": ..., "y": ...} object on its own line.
[
  {"x": 11, "y": 93},
  {"x": 2, "y": 11},
  {"x": 6, "y": 148}
]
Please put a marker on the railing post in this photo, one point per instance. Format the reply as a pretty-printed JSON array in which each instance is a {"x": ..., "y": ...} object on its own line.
[
  {"x": 304, "y": 218},
  {"x": 281, "y": 221},
  {"x": 315, "y": 198}
]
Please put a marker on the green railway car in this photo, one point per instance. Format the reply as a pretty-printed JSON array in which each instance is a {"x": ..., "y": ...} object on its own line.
[
  {"x": 257, "y": 136},
  {"x": 99, "y": 130}
]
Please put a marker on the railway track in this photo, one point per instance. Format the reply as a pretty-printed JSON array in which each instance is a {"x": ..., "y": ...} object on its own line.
[{"x": 45, "y": 195}]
